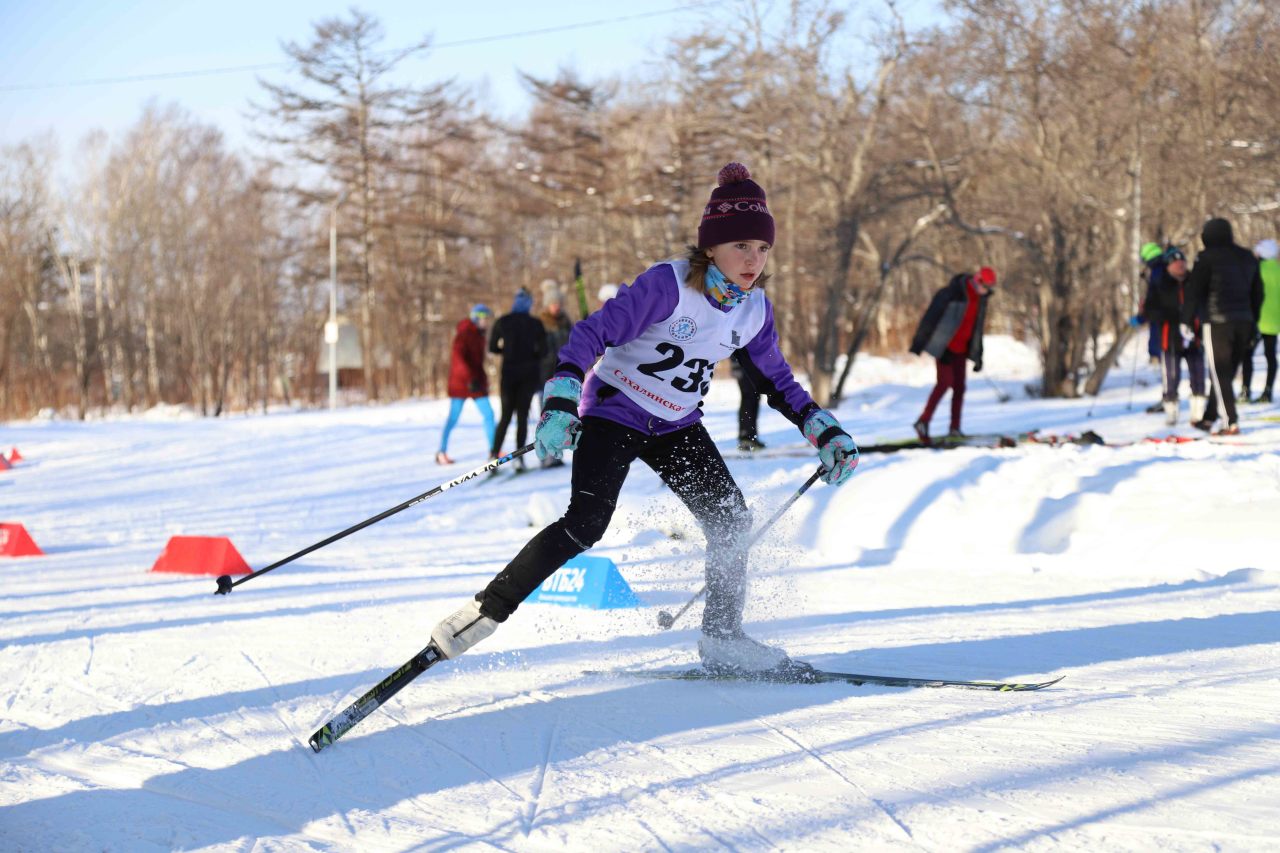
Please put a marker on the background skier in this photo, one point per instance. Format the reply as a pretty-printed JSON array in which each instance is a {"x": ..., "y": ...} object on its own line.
[
  {"x": 951, "y": 332},
  {"x": 521, "y": 340},
  {"x": 467, "y": 379}
]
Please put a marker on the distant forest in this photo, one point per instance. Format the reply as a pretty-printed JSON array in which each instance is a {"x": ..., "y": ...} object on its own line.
[{"x": 1047, "y": 139}]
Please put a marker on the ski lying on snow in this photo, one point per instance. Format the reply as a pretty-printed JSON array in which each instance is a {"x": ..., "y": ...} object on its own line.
[{"x": 819, "y": 676}]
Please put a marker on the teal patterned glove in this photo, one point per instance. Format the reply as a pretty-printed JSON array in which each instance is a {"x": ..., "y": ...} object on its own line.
[
  {"x": 559, "y": 427},
  {"x": 836, "y": 450}
]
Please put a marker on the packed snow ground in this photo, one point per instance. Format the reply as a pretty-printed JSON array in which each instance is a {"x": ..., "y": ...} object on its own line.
[{"x": 139, "y": 711}]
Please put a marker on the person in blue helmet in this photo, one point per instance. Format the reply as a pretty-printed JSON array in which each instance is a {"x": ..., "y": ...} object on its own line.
[{"x": 521, "y": 340}]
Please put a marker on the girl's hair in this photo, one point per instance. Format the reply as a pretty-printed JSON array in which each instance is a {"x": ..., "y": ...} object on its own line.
[{"x": 698, "y": 264}]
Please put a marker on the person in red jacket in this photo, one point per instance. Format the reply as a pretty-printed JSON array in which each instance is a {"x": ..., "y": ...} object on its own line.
[
  {"x": 951, "y": 332},
  {"x": 467, "y": 379}
]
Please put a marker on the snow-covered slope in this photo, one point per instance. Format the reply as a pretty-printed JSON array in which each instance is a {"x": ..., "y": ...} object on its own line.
[{"x": 138, "y": 711}]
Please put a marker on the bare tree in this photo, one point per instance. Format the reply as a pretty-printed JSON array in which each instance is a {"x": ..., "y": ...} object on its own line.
[{"x": 345, "y": 121}]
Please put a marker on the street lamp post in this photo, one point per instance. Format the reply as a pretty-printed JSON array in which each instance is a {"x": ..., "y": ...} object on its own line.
[{"x": 331, "y": 328}]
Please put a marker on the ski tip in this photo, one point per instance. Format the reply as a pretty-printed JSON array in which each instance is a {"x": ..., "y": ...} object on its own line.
[
  {"x": 1017, "y": 688},
  {"x": 320, "y": 739}
]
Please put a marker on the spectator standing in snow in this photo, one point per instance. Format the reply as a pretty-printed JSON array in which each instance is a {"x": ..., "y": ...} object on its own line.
[
  {"x": 1269, "y": 319},
  {"x": 1154, "y": 271},
  {"x": 558, "y": 325},
  {"x": 951, "y": 332},
  {"x": 467, "y": 379},
  {"x": 1163, "y": 310},
  {"x": 660, "y": 339},
  {"x": 1154, "y": 268},
  {"x": 1224, "y": 289},
  {"x": 521, "y": 341}
]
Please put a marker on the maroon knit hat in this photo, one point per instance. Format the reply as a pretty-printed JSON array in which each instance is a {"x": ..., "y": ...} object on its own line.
[{"x": 736, "y": 211}]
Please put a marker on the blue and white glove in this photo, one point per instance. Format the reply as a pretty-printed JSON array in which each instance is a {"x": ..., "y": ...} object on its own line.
[
  {"x": 559, "y": 427},
  {"x": 836, "y": 450}
]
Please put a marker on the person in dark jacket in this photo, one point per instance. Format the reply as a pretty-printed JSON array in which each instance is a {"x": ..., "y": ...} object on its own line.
[
  {"x": 951, "y": 332},
  {"x": 1163, "y": 310},
  {"x": 1155, "y": 269},
  {"x": 1224, "y": 289},
  {"x": 1154, "y": 273},
  {"x": 521, "y": 340},
  {"x": 558, "y": 326},
  {"x": 467, "y": 379}
]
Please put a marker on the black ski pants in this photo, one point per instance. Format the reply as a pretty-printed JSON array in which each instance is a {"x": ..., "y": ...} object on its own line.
[
  {"x": 517, "y": 391},
  {"x": 1226, "y": 346},
  {"x": 1269, "y": 352},
  {"x": 690, "y": 464}
]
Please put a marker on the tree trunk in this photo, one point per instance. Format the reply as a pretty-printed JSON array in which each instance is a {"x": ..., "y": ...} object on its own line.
[{"x": 826, "y": 347}]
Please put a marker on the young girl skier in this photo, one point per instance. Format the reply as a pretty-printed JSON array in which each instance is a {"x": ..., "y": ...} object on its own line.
[{"x": 661, "y": 338}]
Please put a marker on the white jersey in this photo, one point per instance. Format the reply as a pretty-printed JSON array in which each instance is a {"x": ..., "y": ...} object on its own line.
[{"x": 667, "y": 370}]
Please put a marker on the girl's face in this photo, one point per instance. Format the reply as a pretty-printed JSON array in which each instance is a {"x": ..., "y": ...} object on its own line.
[{"x": 741, "y": 261}]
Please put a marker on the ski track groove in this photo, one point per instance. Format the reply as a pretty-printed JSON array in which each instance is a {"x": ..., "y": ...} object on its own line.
[
  {"x": 22, "y": 682},
  {"x": 296, "y": 736},
  {"x": 88, "y": 664},
  {"x": 812, "y": 753},
  {"x": 413, "y": 729},
  {"x": 156, "y": 785},
  {"x": 809, "y": 751},
  {"x": 691, "y": 771},
  {"x": 645, "y": 826},
  {"x": 532, "y": 813}
]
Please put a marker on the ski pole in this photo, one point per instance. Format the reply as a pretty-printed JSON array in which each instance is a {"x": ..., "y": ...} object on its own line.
[
  {"x": 1000, "y": 395},
  {"x": 1133, "y": 380},
  {"x": 666, "y": 620},
  {"x": 225, "y": 584}
]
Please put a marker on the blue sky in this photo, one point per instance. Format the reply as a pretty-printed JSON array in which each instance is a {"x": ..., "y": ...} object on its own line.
[{"x": 57, "y": 42}]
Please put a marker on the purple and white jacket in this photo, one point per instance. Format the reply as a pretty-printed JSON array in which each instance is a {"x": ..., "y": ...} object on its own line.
[{"x": 661, "y": 341}]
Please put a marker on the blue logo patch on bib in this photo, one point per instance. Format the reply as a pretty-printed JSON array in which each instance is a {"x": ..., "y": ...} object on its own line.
[{"x": 683, "y": 329}]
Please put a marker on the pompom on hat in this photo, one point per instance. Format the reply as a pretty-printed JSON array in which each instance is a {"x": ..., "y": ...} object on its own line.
[
  {"x": 736, "y": 210},
  {"x": 523, "y": 302}
]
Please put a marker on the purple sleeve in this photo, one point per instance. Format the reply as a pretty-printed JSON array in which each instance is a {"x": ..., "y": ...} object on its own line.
[
  {"x": 650, "y": 298},
  {"x": 762, "y": 361}
]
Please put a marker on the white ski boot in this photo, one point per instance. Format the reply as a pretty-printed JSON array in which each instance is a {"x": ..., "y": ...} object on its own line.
[
  {"x": 462, "y": 630},
  {"x": 739, "y": 653},
  {"x": 1170, "y": 412},
  {"x": 1198, "y": 405}
]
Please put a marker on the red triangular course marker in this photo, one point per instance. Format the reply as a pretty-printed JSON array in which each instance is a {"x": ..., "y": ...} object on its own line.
[
  {"x": 15, "y": 541},
  {"x": 14, "y": 456},
  {"x": 201, "y": 555},
  {"x": 4, "y": 463}
]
